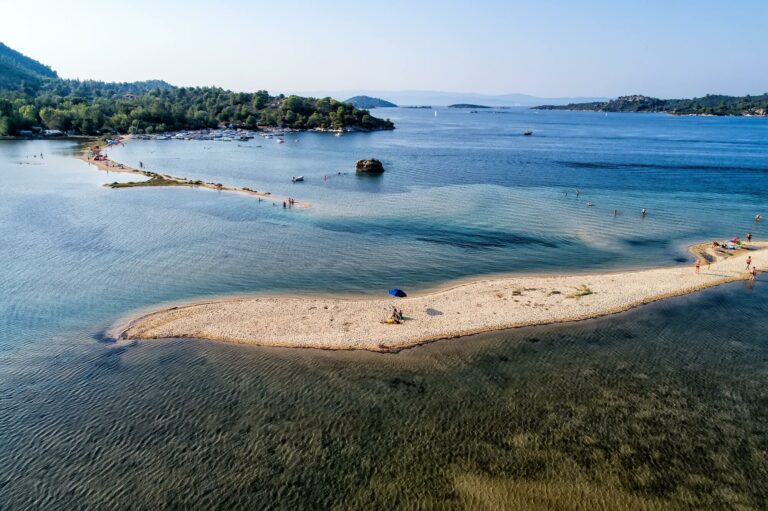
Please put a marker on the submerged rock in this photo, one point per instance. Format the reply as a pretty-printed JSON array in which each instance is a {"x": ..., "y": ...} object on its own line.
[{"x": 371, "y": 166}]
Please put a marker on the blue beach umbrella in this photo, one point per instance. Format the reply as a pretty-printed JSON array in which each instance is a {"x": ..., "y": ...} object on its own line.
[{"x": 397, "y": 292}]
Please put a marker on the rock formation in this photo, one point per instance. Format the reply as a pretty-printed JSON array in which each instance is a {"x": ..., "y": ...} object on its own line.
[{"x": 371, "y": 166}]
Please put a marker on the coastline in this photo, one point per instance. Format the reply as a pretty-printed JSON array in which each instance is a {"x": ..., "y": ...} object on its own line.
[
  {"x": 671, "y": 114},
  {"x": 89, "y": 152},
  {"x": 475, "y": 307}
]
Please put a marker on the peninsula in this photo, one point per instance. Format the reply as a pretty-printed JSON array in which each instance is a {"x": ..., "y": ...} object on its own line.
[
  {"x": 708, "y": 105},
  {"x": 33, "y": 100},
  {"x": 479, "y": 306}
]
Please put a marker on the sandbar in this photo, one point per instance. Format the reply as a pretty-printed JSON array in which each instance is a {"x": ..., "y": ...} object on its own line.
[
  {"x": 466, "y": 309},
  {"x": 92, "y": 154}
]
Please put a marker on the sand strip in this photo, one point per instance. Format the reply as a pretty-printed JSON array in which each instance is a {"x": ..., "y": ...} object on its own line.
[
  {"x": 90, "y": 152},
  {"x": 475, "y": 307}
]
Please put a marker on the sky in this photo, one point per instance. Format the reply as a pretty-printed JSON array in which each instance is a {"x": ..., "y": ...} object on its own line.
[{"x": 547, "y": 48}]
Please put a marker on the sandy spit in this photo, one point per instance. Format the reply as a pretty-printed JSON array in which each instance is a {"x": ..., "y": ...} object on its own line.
[
  {"x": 471, "y": 308},
  {"x": 89, "y": 151}
]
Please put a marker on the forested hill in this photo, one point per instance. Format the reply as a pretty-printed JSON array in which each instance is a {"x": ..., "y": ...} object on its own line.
[
  {"x": 20, "y": 72},
  {"x": 32, "y": 96},
  {"x": 708, "y": 105},
  {"x": 369, "y": 102}
]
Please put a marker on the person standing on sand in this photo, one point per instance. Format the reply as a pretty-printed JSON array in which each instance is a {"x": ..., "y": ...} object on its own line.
[
  {"x": 753, "y": 273},
  {"x": 749, "y": 237},
  {"x": 749, "y": 262},
  {"x": 697, "y": 266}
]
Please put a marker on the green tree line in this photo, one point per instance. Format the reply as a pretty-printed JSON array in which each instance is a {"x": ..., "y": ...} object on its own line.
[
  {"x": 711, "y": 104},
  {"x": 91, "y": 108}
]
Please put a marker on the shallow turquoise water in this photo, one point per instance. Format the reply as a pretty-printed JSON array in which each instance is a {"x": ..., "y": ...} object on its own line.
[
  {"x": 87, "y": 423},
  {"x": 463, "y": 195}
]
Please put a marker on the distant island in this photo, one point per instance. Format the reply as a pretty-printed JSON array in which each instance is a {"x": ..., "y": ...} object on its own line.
[
  {"x": 417, "y": 107},
  {"x": 35, "y": 100},
  {"x": 367, "y": 102},
  {"x": 708, "y": 105},
  {"x": 467, "y": 105}
]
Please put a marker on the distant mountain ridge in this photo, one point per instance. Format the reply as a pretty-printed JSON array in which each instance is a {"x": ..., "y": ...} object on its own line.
[
  {"x": 19, "y": 71},
  {"x": 710, "y": 104},
  {"x": 442, "y": 98},
  {"x": 367, "y": 102},
  {"x": 24, "y": 74}
]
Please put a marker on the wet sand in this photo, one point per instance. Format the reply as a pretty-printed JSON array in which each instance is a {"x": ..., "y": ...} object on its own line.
[{"x": 470, "y": 308}]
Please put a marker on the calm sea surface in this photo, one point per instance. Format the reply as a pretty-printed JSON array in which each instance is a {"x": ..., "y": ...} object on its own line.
[{"x": 662, "y": 407}]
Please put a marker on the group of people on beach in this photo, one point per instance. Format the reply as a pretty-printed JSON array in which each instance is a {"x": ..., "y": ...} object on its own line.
[
  {"x": 289, "y": 203},
  {"x": 395, "y": 317},
  {"x": 752, "y": 270}
]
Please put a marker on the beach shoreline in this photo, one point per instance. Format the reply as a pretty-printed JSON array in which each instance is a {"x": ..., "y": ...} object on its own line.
[
  {"x": 89, "y": 151},
  {"x": 459, "y": 310}
]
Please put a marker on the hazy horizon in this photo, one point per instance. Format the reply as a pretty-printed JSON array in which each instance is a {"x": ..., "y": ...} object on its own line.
[{"x": 550, "y": 50}]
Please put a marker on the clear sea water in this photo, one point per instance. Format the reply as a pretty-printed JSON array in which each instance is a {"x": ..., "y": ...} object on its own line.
[{"x": 662, "y": 407}]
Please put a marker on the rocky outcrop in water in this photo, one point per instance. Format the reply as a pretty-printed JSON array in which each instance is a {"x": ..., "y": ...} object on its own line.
[{"x": 372, "y": 166}]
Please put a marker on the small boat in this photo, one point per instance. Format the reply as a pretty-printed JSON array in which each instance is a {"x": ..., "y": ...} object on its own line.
[
  {"x": 297, "y": 179},
  {"x": 528, "y": 133},
  {"x": 280, "y": 141}
]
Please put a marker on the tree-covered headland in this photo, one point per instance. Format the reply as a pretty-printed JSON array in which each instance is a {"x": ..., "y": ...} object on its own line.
[{"x": 33, "y": 96}]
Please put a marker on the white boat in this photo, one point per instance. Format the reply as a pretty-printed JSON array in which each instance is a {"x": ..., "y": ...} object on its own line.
[
  {"x": 297, "y": 179},
  {"x": 280, "y": 141}
]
